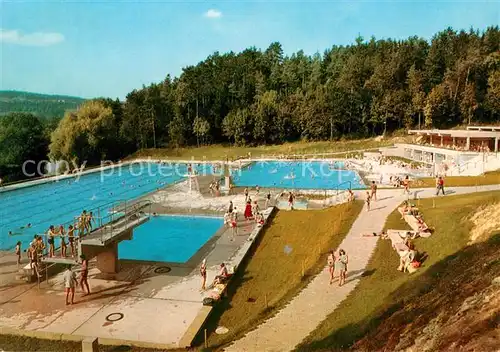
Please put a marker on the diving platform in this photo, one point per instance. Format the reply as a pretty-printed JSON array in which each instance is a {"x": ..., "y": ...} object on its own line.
[
  {"x": 112, "y": 232},
  {"x": 102, "y": 242}
]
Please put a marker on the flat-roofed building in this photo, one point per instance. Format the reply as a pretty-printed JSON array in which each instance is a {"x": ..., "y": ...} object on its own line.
[
  {"x": 475, "y": 138},
  {"x": 454, "y": 152}
]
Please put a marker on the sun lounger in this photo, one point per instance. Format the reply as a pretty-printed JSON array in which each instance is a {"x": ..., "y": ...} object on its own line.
[
  {"x": 397, "y": 238},
  {"x": 217, "y": 291},
  {"x": 413, "y": 222}
]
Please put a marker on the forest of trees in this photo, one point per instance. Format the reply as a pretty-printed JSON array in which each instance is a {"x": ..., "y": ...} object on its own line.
[
  {"x": 256, "y": 97},
  {"x": 358, "y": 90}
]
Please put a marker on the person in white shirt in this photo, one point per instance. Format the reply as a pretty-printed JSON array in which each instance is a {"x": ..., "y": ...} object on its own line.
[{"x": 69, "y": 278}]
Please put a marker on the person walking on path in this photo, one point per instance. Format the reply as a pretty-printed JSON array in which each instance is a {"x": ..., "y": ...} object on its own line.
[
  {"x": 440, "y": 185},
  {"x": 331, "y": 265},
  {"x": 368, "y": 199},
  {"x": 373, "y": 190},
  {"x": 406, "y": 185},
  {"x": 69, "y": 284},
  {"x": 341, "y": 266}
]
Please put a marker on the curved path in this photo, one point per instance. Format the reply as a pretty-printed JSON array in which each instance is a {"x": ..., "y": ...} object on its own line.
[{"x": 317, "y": 300}]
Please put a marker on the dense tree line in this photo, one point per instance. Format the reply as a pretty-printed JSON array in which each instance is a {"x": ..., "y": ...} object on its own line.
[
  {"x": 358, "y": 90},
  {"x": 42, "y": 105},
  {"x": 255, "y": 97}
]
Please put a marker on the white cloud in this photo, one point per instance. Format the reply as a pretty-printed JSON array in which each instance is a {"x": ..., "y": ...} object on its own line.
[
  {"x": 30, "y": 39},
  {"x": 213, "y": 14}
]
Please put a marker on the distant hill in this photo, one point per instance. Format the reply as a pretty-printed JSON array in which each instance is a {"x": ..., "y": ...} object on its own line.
[{"x": 43, "y": 105}]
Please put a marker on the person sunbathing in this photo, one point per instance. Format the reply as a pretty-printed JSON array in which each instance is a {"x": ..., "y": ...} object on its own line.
[
  {"x": 381, "y": 234},
  {"x": 222, "y": 277},
  {"x": 408, "y": 209},
  {"x": 259, "y": 219},
  {"x": 422, "y": 226}
]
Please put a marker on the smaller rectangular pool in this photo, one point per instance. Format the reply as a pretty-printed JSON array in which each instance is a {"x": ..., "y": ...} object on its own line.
[
  {"x": 169, "y": 238},
  {"x": 298, "y": 175}
]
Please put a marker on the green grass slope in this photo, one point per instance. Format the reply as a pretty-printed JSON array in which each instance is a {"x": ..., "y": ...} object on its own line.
[
  {"x": 390, "y": 310},
  {"x": 43, "y": 105}
]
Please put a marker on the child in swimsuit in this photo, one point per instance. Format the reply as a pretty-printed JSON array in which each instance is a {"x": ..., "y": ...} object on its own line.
[
  {"x": 18, "y": 252},
  {"x": 203, "y": 273}
]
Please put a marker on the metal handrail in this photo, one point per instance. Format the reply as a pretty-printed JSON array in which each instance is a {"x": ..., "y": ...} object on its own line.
[
  {"x": 105, "y": 224},
  {"x": 108, "y": 223}
]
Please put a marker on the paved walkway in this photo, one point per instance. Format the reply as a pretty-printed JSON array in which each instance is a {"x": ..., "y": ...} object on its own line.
[{"x": 313, "y": 304}]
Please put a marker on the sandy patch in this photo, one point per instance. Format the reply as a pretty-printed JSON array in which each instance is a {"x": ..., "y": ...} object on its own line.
[{"x": 486, "y": 221}]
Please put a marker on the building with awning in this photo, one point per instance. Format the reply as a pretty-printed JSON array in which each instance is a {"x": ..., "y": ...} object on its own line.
[
  {"x": 453, "y": 152},
  {"x": 474, "y": 138}
]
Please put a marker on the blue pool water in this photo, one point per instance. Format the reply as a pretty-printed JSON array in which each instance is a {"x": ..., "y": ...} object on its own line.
[
  {"x": 299, "y": 175},
  {"x": 55, "y": 203},
  {"x": 169, "y": 238},
  {"x": 59, "y": 202}
]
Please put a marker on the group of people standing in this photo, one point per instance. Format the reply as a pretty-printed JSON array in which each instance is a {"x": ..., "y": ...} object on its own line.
[
  {"x": 251, "y": 212},
  {"x": 338, "y": 264},
  {"x": 37, "y": 247},
  {"x": 84, "y": 225}
]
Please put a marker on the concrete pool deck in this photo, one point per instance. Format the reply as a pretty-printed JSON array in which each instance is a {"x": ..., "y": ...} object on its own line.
[{"x": 158, "y": 305}]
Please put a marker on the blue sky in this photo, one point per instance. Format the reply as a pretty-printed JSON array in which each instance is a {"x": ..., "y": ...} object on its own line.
[{"x": 108, "y": 48}]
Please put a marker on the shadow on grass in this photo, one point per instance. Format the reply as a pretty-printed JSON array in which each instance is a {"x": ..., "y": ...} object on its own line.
[{"x": 442, "y": 288}]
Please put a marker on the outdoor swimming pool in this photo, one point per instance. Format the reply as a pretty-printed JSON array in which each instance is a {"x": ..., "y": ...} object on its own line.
[
  {"x": 298, "y": 175},
  {"x": 55, "y": 203},
  {"x": 169, "y": 238}
]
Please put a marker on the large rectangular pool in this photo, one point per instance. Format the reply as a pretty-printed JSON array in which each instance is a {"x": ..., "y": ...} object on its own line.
[
  {"x": 169, "y": 238},
  {"x": 59, "y": 202}
]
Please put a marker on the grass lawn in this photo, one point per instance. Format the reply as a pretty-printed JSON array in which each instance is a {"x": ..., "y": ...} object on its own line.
[
  {"x": 220, "y": 152},
  {"x": 382, "y": 291},
  {"x": 489, "y": 178},
  {"x": 295, "y": 241},
  {"x": 26, "y": 343}
]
